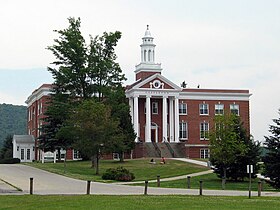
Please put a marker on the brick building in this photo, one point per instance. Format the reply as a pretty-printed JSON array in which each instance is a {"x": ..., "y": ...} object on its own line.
[
  {"x": 169, "y": 120},
  {"x": 37, "y": 104},
  {"x": 173, "y": 121}
]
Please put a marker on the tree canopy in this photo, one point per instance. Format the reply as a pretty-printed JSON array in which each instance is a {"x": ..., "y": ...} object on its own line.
[
  {"x": 13, "y": 120},
  {"x": 231, "y": 148},
  {"x": 87, "y": 86},
  {"x": 272, "y": 157}
]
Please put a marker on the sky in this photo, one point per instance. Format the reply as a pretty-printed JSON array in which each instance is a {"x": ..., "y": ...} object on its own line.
[{"x": 214, "y": 43}]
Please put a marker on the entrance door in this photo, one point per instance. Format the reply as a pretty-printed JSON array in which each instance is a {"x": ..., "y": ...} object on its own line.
[
  {"x": 25, "y": 155},
  {"x": 153, "y": 135},
  {"x": 154, "y": 132}
]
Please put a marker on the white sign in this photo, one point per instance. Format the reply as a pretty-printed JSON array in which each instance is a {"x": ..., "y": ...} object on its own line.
[{"x": 249, "y": 169}]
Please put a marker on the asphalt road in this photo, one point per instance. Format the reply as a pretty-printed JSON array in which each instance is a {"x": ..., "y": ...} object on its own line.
[{"x": 48, "y": 183}]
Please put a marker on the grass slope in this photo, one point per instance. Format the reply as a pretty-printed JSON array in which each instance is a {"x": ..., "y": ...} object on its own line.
[
  {"x": 136, "y": 202},
  {"x": 140, "y": 167},
  {"x": 212, "y": 182}
]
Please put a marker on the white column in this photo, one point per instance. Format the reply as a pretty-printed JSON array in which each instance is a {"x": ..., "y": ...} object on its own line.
[
  {"x": 171, "y": 120},
  {"x": 148, "y": 119},
  {"x": 135, "y": 118},
  {"x": 131, "y": 109},
  {"x": 164, "y": 118},
  {"x": 43, "y": 156},
  {"x": 54, "y": 156},
  {"x": 176, "y": 113}
]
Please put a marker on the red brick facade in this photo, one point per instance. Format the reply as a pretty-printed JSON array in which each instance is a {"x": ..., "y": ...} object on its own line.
[
  {"x": 37, "y": 104},
  {"x": 163, "y": 122}
]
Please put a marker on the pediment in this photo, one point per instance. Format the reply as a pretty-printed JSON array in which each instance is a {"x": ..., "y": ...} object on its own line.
[{"x": 157, "y": 82}]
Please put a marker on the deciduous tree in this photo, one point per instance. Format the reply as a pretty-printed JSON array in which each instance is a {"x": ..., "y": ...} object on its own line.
[{"x": 226, "y": 143}]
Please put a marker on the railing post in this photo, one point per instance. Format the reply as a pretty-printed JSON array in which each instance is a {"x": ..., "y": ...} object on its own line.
[
  {"x": 31, "y": 186},
  {"x": 200, "y": 187},
  {"x": 158, "y": 180},
  {"x": 188, "y": 182},
  {"x": 88, "y": 187},
  {"x": 146, "y": 187},
  {"x": 259, "y": 188}
]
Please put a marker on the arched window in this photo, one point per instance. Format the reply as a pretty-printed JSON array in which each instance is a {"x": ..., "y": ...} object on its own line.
[
  {"x": 145, "y": 55},
  {"x": 149, "y": 55}
]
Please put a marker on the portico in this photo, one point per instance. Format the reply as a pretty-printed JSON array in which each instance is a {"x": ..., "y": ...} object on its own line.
[{"x": 160, "y": 121}]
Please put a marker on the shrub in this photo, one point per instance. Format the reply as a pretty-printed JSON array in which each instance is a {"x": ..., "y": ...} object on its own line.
[
  {"x": 10, "y": 161},
  {"x": 119, "y": 174}
]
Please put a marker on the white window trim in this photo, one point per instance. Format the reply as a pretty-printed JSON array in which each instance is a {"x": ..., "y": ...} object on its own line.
[
  {"x": 235, "y": 105},
  {"x": 220, "y": 109},
  {"x": 182, "y": 109},
  {"x": 156, "y": 103},
  {"x": 187, "y": 133},
  {"x": 203, "y": 109},
  {"x": 204, "y": 153},
  {"x": 204, "y": 139}
]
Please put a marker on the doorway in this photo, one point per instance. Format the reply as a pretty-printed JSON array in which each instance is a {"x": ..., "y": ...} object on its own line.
[{"x": 154, "y": 132}]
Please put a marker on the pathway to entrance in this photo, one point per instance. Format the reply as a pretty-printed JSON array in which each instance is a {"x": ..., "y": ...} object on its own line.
[{"x": 48, "y": 183}]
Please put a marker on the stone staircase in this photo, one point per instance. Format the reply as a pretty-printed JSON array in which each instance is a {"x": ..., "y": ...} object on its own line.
[{"x": 165, "y": 149}]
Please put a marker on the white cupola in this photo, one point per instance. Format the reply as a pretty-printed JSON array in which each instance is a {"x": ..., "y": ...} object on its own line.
[
  {"x": 147, "y": 65},
  {"x": 147, "y": 48}
]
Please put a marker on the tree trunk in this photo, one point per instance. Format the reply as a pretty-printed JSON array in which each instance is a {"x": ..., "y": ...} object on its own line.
[
  {"x": 65, "y": 162},
  {"x": 97, "y": 165},
  {"x": 224, "y": 178},
  {"x": 121, "y": 157},
  {"x": 59, "y": 154},
  {"x": 92, "y": 162}
]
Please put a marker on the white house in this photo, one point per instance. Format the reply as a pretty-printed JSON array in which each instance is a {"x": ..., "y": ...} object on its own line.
[{"x": 23, "y": 147}]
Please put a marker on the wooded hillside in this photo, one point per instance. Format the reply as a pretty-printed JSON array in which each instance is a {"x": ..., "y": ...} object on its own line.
[{"x": 12, "y": 120}]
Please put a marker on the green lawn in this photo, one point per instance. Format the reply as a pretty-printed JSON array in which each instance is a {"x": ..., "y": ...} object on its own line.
[
  {"x": 212, "y": 182},
  {"x": 140, "y": 167},
  {"x": 142, "y": 202}
]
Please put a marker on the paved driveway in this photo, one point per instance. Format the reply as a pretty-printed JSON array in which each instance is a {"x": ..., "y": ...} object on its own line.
[{"x": 49, "y": 183}]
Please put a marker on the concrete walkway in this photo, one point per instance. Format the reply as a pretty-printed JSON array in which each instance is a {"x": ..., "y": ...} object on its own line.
[
  {"x": 46, "y": 183},
  {"x": 168, "y": 179},
  {"x": 197, "y": 162}
]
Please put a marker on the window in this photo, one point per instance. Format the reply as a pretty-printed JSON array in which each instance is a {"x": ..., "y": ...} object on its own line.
[
  {"x": 204, "y": 131},
  {"x": 28, "y": 154},
  {"x": 76, "y": 154},
  {"x": 204, "y": 153},
  {"x": 116, "y": 156},
  {"x": 22, "y": 154},
  {"x": 203, "y": 109},
  {"x": 219, "y": 109},
  {"x": 155, "y": 108},
  {"x": 182, "y": 108},
  {"x": 183, "y": 130},
  {"x": 234, "y": 109}
]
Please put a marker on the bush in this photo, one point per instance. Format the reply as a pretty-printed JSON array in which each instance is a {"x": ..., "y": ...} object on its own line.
[
  {"x": 119, "y": 174},
  {"x": 10, "y": 161}
]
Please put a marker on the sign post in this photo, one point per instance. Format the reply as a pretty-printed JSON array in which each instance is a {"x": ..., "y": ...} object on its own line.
[{"x": 250, "y": 171}]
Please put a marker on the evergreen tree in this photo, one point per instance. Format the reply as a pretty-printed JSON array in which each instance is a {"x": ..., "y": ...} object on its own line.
[
  {"x": 271, "y": 159},
  {"x": 124, "y": 141},
  {"x": 7, "y": 150},
  {"x": 57, "y": 113}
]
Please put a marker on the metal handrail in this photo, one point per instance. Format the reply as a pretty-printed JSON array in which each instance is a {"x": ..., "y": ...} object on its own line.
[
  {"x": 169, "y": 147},
  {"x": 157, "y": 148}
]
